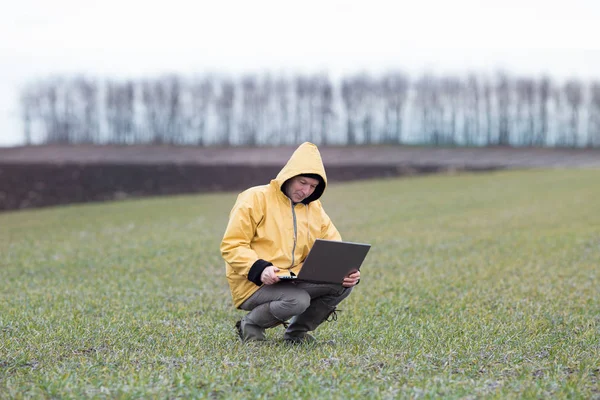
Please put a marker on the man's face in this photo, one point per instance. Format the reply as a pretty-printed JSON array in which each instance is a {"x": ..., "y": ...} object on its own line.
[{"x": 300, "y": 187}]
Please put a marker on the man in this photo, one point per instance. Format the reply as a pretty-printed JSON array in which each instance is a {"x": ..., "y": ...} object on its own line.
[{"x": 272, "y": 228}]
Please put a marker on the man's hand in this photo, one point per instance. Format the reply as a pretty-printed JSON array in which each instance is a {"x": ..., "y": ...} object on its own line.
[
  {"x": 269, "y": 276},
  {"x": 351, "y": 279}
]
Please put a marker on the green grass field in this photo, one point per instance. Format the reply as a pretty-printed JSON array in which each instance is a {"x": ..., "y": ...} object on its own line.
[{"x": 477, "y": 286}]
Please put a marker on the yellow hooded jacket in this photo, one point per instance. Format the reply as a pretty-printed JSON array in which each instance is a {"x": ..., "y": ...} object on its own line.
[{"x": 266, "y": 228}]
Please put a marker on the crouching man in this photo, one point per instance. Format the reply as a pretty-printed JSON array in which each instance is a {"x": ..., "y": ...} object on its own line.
[{"x": 272, "y": 228}]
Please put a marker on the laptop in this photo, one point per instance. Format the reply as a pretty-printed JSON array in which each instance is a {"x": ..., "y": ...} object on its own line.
[{"x": 329, "y": 261}]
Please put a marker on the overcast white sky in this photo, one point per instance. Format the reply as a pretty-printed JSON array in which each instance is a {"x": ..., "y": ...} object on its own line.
[{"x": 135, "y": 38}]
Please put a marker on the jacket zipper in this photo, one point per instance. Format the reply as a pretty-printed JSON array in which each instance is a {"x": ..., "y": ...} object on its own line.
[{"x": 295, "y": 233}]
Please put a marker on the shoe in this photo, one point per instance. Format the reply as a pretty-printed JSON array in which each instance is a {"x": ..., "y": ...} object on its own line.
[
  {"x": 248, "y": 332},
  {"x": 299, "y": 338},
  {"x": 316, "y": 314},
  {"x": 238, "y": 329}
]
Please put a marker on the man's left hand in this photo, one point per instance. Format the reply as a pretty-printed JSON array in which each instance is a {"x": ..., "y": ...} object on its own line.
[{"x": 351, "y": 279}]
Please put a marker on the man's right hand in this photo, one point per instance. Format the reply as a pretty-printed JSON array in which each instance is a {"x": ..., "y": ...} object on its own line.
[{"x": 269, "y": 276}]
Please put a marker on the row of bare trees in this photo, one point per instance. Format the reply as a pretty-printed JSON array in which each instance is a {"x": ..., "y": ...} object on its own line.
[{"x": 256, "y": 110}]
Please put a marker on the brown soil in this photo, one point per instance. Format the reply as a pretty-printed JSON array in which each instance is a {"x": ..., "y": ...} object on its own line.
[
  {"x": 368, "y": 155},
  {"x": 39, "y": 176}
]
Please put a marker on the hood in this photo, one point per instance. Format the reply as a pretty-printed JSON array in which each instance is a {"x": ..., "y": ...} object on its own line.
[{"x": 305, "y": 160}]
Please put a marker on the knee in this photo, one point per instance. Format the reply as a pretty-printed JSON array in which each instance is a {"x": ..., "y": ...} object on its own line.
[
  {"x": 300, "y": 303},
  {"x": 336, "y": 297},
  {"x": 296, "y": 304},
  {"x": 345, "y": 293}
]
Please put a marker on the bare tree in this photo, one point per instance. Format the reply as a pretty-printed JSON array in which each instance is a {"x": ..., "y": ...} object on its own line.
[
  {"x": 364, "y": 91},
  {"x": 312, "y": 107},
  {"x": 525, "y": 88},
  {"x": 194, "y": 109},
  {"x": 120, "y": 111},
  {"x": 357, "y": 95},
  {"x": 325, "y": 101},
  {"x": 471, "y": 110},
  {"x": 282, "y": 93},
  {"x": 29, "y": 109},
  {"x": 504, "y": 117},
  {"x": 593, "y": 138},
  {"x": 488, "y": 96},
  {"x": 225, "y": 103},
  {"x": 350, "y": 105},
  {"x": 87, "y": 94},
  {"x": 301, "y": 94},
  {"x": 249, "y": 122},
  {"x": 574, "y": 95},
  {"x": 264, "y": 109},
  {"x": 48, "y": 99},
  {"x": 557, "y": 100},
  {"x": 151, "y": 98},
  {"x": 174, "y": 128},
  {"x": 429, "y": 102},
  {"x": 394, "y": 88},
  {"x": 160, "y": 99},
  {"x": 451, "y": 96},
  {"x": 544, "y": 95}
]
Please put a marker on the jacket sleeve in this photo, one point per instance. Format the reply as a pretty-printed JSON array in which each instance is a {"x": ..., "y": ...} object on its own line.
[
  {"x": 235, "y": 246},
  {"x": 328, "y": 229}
]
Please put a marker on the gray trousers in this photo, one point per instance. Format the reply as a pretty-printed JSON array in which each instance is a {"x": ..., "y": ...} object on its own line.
[{"x": 308, "y": 304}]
